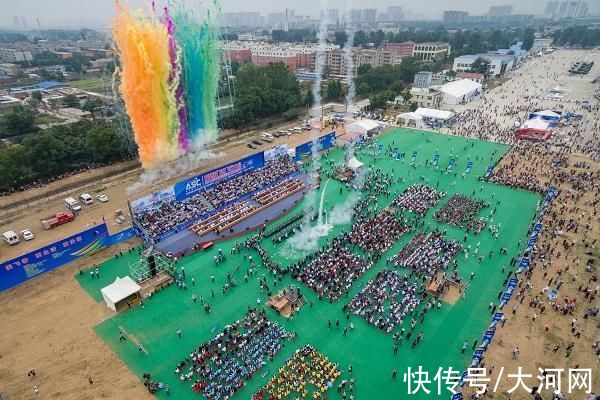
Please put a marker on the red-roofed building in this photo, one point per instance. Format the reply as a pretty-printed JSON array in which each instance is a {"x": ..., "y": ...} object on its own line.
[
  {"x": 401, "y": 50},
  {"x": 473, "y": 76}
]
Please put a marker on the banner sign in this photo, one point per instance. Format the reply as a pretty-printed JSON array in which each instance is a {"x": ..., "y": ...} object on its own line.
[
  {"x": 322, "y": 143},
  {"x": 436, "y": 159},
  {"x": 469, "y": 167},
  {"x": 488, "y": 171},
  {"x": 202, "y": 182},
  {"x": 119, "y": 237},
  {"x": 379, "y": 149},
  {"x": 151, "y": 200},
  {"x": 510, "y": 288},
  {"x": 396, "y": 153},
  {"x": 47, "y": 258},
  {"x": 451, "y": 164},
  {"x": 276, "y": 152},
  {"x": 523, "y": 265}
]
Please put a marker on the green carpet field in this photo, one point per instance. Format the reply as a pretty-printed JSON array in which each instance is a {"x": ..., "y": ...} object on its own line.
[{"x": 367, "y": 349}]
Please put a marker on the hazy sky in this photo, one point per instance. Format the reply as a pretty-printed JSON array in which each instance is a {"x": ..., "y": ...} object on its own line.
[{"x": 54, "y": 13}]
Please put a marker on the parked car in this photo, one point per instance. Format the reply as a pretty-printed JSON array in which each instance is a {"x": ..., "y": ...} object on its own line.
[
  {"x": 251, "y": 145},
  {"x": 257, "y": 142},
  {"x": 26, "y": 234},
  {"x": 102, "y": 198},
  {"x": 86, "y": 199}
]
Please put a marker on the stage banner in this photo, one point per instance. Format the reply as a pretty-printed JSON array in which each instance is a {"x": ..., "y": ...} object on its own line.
[
  {"x": 276, "y": 152},
  {"x": 469, "y": 167},
  {"x": 436, "y": 159},
  {"x": 202, "y": 182},
  {"x": 322, "y": 143},
  {"x": 119, "y": 237},
  {"x": 414, "y": 156},
  {"x": 47, "y": 258},
  {"x": 152, "y": 200},
  {"x": 488, "y": 171}
]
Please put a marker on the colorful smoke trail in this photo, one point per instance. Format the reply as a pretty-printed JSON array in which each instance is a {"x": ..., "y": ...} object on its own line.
[{"x": 169, "y": 72}]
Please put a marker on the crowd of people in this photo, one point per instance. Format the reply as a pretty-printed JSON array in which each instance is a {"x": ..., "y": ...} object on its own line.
[
  {"x": 418, "y": 198},
  {"x": 307, "y": 373},
  {"x": 222, "y": 366},
  {"x": 171, "y": 213},
  {"x": 377, "y": 233},
  {"x": 386, "y": 300},
  {"x": 427, "y": 253},
  {"x": 332, "y": 271},
  {"x": 462, "y": 211}
]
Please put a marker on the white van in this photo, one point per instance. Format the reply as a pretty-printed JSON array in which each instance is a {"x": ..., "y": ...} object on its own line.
[
  {"x": 86, "y": 199},
  {"x": 297, "y": 130},
  {"x": 267, "y": 137},
  {"x": 10, "y": 237},
  {"x": 72, "y": 204}
]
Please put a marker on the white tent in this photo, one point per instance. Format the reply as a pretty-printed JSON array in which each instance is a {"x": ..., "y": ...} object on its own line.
[
  {"x": 536, "y": 123},
  {"x": 354, "y": 164},
  {"x": 364, "y": 126},
  {"x": 410, "y": 119},
  {"x": 119, "y": 290},
  {"x": 432, "y": 113},
  {"x": 462, "y": 90}
]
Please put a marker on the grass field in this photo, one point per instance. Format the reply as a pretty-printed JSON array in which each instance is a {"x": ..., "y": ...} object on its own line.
[
  {"x": 367, "y": 349},
  {"x": 101, "y": 84}
]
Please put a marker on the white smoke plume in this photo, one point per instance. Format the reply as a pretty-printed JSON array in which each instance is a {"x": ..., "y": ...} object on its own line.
[
  {"x": 348, "y": 57},
  {"x": 195, "y": 158}
]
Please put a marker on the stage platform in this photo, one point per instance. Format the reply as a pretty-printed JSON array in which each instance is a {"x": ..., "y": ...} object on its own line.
[{"x": 183, "y": 241}]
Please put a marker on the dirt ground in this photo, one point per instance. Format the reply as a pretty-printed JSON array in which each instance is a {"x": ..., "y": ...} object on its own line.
[{"x": 47, "y": 325}]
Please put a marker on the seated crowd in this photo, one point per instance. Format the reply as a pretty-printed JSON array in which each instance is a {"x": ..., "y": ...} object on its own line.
[
  {"x": 332, "y": 271},
  {"x": 386, "y": 300},
  {"x": 170, "y": 214},
  {"x": 377, "y": 233},
  {"x": 224, "y": 219},
  {"x": 418, "y": 198},
  {"x": 278, "y": 192},
  {"x": 222, "y": 366},
  {"x": 427, "y": 253},
  {"x": 307, "y": 370},
  {"x": 231, "y": 189},
  {"x": 462, "y": 211}
]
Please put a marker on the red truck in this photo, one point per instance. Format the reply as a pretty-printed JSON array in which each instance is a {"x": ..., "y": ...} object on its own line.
[{"x": 57, "y": 219}]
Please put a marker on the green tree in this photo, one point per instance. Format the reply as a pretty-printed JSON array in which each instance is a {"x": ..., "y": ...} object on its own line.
[
  {"x": 334, "y": 90},
  {"x": 46, "y": 154},
  {"x": 92, "y": 105},
  {"x": 104, "y": 144},
  {"x": 481, "y": 66},
  {"x": 20, "y": 120},
  {"x": 14, "y": 169},
  {"x": 37, "y": 96},
  {"x": 528, "y": 38},
  {"x": 70, "y": 100},
  {"x": 308, "y": 99},
  {"x": 340, "y": 38}
]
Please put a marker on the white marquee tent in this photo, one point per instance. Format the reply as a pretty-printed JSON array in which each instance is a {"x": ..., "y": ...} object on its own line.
[
  {"x": 462, "y": 90},
  {"x": 354, "y": 164},
  {"x": 119, "y": 290},
  {"x": 363, "y": 127}
]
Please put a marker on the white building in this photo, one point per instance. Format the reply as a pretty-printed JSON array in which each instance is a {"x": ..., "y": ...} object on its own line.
[
  {"x": 426, "y": 97},
  {"x": 499, "y": 64},
  {"x": 461, "y": 91},
  {"x": 430, "y": 51}
]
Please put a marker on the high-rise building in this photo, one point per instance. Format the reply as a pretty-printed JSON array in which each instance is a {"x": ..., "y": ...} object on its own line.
[
  {"x": 331, "y": 14},
  {"x": 562, "y": 9},
  {"x": 455, "y": 17},
  {"x": 552, "y": 8},
  {"x": 16, "y": 22},
  {"x": 394, "y": 14},
  {"x": 242, "y": 19},
  {"x": 366, "y": 15},
  {"x": 276, "y": 19},
  {"x": 496, "y": 11},
  {"x": 23, "y": 23}
]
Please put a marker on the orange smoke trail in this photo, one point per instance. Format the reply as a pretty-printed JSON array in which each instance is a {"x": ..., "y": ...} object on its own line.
[{"x": 142, "y": 43}]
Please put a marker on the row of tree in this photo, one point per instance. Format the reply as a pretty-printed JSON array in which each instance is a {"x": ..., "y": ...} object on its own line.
[
  {"x": 585, "y": 36},
  {"x": 59, "y": 150},
  {"x": 263, "y": 92}
]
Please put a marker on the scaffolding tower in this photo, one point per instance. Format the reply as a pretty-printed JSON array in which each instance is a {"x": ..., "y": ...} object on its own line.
[{"x": 140, "y": 270}]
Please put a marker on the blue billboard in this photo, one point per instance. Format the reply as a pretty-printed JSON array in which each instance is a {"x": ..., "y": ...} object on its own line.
[
  {"x": 27, "y": 266},
  {"x": 205, "y": 181},
  {"x": 322, "y": 143}
]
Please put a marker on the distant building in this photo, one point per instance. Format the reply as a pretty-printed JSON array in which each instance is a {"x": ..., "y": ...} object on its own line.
[
  {"x": 402, "y": 50},
  {"x": 572, "y": 9},
  {"x": 426, "y": 97},
  {"x": 496, "y": 11},
  {"x": 277, "y": 18},
  {"x": 423, "y": 79},
  {"x": 499, "y": 64},
  {"x": 242, "y": 18},
  {"x": 430, "y": 51},
  {"x": 393, "y": 14},
  {"x": 472, "y": 76},
  {"x": 11, "y": 55},
  {"x": 542, "y": 43},
  {"x": 455, "y": 17},
  {"x": 552, "y": 8},
  {"x": 366, "y": 15},
  {"x": 337, "y": 63},
  {"x": 7, "y": 103}
]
